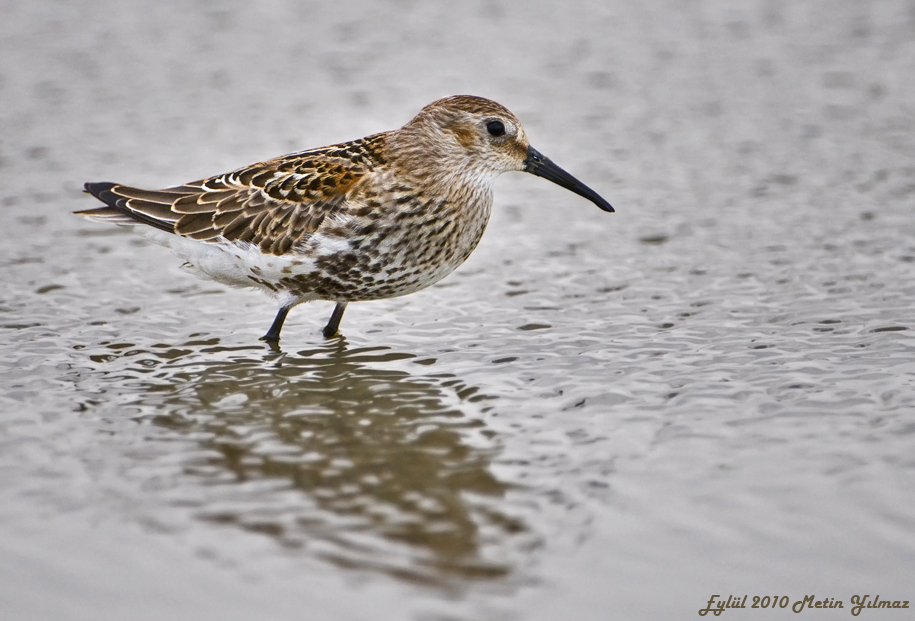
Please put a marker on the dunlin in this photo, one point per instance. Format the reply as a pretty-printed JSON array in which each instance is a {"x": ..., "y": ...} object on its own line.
[{"x": 374, "y": 218}]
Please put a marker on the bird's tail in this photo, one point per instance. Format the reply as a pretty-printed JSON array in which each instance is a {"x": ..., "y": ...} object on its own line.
[{"x": 131, "y": 206}]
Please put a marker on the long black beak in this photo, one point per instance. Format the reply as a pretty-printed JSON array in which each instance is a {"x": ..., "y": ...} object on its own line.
[{"x": 542, "y": 166}]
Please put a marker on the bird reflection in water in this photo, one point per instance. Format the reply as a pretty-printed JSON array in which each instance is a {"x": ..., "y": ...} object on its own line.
[{"x": 333, "y": 451}]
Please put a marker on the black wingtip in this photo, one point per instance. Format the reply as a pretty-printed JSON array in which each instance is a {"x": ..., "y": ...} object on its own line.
[
  {"x": 94, "y": 187},
  {"x": 117, "y": 204},
  {"x": 102, "y": 191}
]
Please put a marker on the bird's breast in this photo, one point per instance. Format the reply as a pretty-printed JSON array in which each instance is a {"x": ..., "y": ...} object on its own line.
[{"x": 387, "y": 250}]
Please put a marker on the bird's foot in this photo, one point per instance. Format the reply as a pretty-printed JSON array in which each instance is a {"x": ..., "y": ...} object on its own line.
[{"x": 329, "y": 332}]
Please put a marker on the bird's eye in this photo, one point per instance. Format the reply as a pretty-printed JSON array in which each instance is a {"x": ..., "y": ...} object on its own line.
[{"x": 495, "y": 128}]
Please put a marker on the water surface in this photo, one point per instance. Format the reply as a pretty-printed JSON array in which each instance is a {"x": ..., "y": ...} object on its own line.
[{"x": 598, "y": 416}]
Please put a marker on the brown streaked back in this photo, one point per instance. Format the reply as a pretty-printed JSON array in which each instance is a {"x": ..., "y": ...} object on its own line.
[{"x": 273, "y": 204}]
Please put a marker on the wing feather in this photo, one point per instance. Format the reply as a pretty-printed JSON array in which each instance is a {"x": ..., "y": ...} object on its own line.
[{"x": 274, "y": 204}]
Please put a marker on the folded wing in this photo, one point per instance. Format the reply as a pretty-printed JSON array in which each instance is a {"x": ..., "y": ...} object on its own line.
[{"x": 273, "y": 205}]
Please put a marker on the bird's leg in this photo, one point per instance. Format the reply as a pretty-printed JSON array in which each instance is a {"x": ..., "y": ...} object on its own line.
[
  {"x": 273, "y": 334},
  {"x": 331, "y": 328}
]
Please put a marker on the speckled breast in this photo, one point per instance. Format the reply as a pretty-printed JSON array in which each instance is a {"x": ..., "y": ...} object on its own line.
[{"x": 407, "y": 249}]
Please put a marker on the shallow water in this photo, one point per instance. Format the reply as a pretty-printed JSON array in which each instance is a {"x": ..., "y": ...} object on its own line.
[{"x": 598, "y": 416}]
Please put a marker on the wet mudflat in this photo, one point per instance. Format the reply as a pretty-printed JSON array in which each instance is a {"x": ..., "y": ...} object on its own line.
[{"x": 598, "y": 416}]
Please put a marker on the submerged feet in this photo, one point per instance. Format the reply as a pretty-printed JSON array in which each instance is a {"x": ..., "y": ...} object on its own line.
[
  {"x": 330, "y": 330},
  {"x": 273, "y": 334}
]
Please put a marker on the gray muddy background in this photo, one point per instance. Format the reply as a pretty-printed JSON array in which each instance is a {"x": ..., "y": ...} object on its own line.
[{"x": 599, "y": 416}]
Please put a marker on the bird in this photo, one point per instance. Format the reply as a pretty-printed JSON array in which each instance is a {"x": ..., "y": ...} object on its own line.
[{"x": 374, "y": 218}]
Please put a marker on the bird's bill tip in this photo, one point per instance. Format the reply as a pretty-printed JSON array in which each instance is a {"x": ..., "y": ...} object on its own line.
[{"x": 538, "y": 164}]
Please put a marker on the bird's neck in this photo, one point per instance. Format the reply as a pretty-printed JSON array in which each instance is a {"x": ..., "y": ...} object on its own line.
[{"x": 430, "y": 161}]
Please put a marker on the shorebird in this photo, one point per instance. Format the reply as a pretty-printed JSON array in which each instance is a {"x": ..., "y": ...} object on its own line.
[{"x": 374, "y": 218}]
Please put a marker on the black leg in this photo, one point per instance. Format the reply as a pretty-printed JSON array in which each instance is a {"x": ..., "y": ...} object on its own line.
[
  {"x": 331, "y": 328},
  {"x": 273, "y": 334}
]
